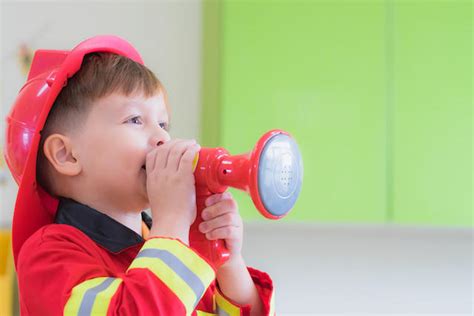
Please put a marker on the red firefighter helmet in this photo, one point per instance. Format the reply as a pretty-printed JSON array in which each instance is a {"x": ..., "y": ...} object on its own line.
[{"x": 50, "y": 70}]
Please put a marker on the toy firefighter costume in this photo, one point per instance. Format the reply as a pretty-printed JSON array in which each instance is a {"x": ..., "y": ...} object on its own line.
[{"x": 74, "y": 260}]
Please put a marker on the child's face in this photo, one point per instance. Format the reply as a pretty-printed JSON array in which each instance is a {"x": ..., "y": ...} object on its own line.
[{"x": 118, "y": 134}]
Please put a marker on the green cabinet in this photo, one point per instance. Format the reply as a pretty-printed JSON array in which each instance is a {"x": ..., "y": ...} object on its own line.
[{"x": 338, "y": 75}]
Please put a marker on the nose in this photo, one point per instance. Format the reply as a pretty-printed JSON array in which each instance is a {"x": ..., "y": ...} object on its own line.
[{"x": 159, "y": 138}]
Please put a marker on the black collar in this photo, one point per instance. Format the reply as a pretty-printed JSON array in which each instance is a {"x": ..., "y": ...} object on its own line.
[{"x": 101, "y": 228}]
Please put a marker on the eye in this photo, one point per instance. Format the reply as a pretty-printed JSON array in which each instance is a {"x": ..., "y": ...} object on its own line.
[
  {"x": 163, "y": 125},
  {"x": 133, "y": 119}
]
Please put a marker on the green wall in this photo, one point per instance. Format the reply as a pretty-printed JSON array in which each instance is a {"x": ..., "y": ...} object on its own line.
[
  {"x": 376, "y": 93},
  {"x": 432, "y": 116}
]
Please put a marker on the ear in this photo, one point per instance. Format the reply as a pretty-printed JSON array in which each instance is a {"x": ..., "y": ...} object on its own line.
[{"x": 59, "y": 151}]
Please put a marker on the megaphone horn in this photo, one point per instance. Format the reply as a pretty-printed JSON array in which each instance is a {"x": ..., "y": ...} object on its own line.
[{"x": 272, "y": 174}]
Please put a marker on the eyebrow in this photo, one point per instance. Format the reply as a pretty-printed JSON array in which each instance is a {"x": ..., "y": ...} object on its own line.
[
  {"x": 132, "y": 104},
  {"x": 129, "y": 104}
]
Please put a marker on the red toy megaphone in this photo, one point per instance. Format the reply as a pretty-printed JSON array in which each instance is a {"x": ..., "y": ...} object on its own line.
[{"x": 272, "y": 173}]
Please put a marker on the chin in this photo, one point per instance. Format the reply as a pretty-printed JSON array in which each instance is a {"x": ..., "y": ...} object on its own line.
[
  {"x": 139, "y": 203},
  {"x": 143, "y": 201},
  {"x": 146, "y": 205}
]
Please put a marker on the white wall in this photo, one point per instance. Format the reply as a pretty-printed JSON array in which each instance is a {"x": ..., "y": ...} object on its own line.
[{"x": 166, "y": 33}]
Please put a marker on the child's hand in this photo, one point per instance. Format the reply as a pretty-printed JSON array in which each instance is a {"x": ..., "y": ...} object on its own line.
[
  {"x": 221, "y": 220},
  {"x": 170, "y": 187}
]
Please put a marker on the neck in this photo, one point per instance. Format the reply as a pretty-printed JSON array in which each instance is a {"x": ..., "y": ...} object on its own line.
[{"x": 132, "y": 220}]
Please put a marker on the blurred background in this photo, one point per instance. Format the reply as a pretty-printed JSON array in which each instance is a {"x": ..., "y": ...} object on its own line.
[{"x": 378, "y": 95}]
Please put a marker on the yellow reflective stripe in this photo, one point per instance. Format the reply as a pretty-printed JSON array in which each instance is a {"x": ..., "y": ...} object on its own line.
[
  {"x": 224, "y": 305},
  {"x": 184, "y": 272},
  {"x": 272, "y": 304},
  {"x": 187, "y": 256},
  {"x": 173, "y": 281},
  {"x": 201, "y": 313},
  {"x": 74, "y": 301},
  {"x": 92, "y": 297},
  {"x": 102, "y": 301}
]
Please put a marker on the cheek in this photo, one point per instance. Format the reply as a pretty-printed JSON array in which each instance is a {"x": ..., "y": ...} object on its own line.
[
  {"x": 112, "y": 151},
  {"x": 126, "y": 151}
]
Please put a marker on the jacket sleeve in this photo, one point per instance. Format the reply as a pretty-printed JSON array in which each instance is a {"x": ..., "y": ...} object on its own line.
[
  {"x": 57, "y": 276},
  {"x": 265, "y": 289}
]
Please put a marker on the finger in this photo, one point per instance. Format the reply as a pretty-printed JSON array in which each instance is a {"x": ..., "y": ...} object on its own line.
[
  {"x": 227, "y": 232},
  {"x": 177, "y": 152},
  {"x": 213, "y": 199},
  {"x": 220, "y": 208},
  {"x": 150, "y": 160},
  {"x": 228, "y": 219},
  {"x": 162, "y": 153},
  {"x": 186, "y": 162}
]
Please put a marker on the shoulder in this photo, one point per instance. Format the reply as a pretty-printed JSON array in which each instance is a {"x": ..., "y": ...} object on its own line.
[
  {"x": 56, "y": 233},
  {"x": 53, "y": 261},
  {"x": 58, "y": 238}
]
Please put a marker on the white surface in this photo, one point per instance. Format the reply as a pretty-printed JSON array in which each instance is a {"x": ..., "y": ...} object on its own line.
[
  {"x": 364, "y": 270},
  {"x": 166, "y": 33}
]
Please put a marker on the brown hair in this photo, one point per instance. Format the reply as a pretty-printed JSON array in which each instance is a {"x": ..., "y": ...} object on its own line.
[{"x": 100, "y": 75}]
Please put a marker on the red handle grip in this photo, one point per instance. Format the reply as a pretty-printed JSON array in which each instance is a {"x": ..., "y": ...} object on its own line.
[{"x": 213, "y": 250}]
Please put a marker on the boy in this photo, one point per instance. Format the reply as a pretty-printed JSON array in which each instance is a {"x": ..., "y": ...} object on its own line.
[{"x": 95, "y": 123}]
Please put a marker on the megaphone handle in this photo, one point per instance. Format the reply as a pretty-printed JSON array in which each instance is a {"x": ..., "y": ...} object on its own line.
[{"x": 213, "y": 250}]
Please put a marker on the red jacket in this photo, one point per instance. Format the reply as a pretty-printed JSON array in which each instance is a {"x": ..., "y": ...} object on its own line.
[{"x": 89, "y": 264}]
